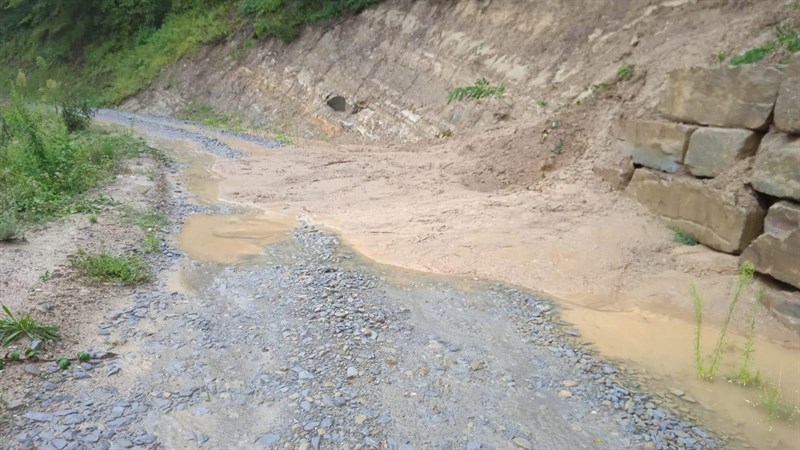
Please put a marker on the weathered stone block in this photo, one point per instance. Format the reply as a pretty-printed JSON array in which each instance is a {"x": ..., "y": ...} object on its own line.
[
  {"x": 730, "y": 96},
  {"x": 658, "y": 145},
  {"x": 714, "y": 150},
  {"x": 724, "y": 220},
  {"x": 787, "y": 107},
  {"x": 777, "y": 168},
  {"x": 777, "y": 251}
]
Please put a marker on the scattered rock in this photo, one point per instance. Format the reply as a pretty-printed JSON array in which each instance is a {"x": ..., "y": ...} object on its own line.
[{"x": 522, "y": 443}]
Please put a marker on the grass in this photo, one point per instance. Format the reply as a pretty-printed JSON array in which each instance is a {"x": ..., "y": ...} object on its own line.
[
  {"x": 202, "y": 112},
  {"x": 151, "y": 243},
  {"x": 11, "y": 329},
  {"x": 708, "y": 370},
  {"x": 787, "y": 41},
  {"x": 776, "y": 406},
  {"x": 283, "y": 138},
  {"x": 148, "y": 220},
  {"x": 683, "y": 237},
  {"x": 45, "y": 169},
  {"x": 625, "y": 71},
  {"x": 480, "y": 89},
  {"x": 127, "y": 268}
]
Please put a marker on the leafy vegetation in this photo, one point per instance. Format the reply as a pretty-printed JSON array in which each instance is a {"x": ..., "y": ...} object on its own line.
[
  {"x": 745, "y": 376},
  {"x": 44, "y": 168},
  {"x": 201, "y": 112},
  {"x": 116, "y": 48},
  {"x": 776, "y": 406},
  {"x": 787, "y": 41},
  {"x": 127, "y": 268},
  {"x": 151, "y": 243},
  {"x": 11, "y": 329},
  {"x": 709, "y": 370},
  {"x": 683, "y": 237},
  {"x": 284, "y": 18},
  {"x": 625, "y": 71},
  {"x": 480, "y": 89}
]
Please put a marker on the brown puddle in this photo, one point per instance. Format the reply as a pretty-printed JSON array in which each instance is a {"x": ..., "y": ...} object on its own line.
[
  {"x": 226, "y": 239},
  {"x": 664, "y": 347}
]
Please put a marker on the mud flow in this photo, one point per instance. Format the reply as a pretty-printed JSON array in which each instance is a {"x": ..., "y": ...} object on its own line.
[{"x": 352, "y": 346}]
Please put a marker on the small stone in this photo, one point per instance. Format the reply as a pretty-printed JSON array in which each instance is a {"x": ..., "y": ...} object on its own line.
[
  {"x": 522, "y": 443},
  {"x": 32, "y": 369},
  {"x": 202, "y": 438},
  {"x": 38, "y": 417},
  {"x": 37, "y": 345},
  {"x": 360, "y": 418},
  {"x": 477, "y": 365},
  {"x": 564, "y": 393},
  {"x": 113, "y": 370},
  {"x": 573, "y": 332},
  {"x": 352, "y": 372},
  {"x": 14, "y": 405},
  {"x": 268, "y": 439},
  {"x": 570, "y": 383},
  {"x": 677, "y": 392}
]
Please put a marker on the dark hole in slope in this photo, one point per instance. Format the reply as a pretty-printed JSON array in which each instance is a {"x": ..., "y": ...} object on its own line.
[{"x": 337, "y": 103}]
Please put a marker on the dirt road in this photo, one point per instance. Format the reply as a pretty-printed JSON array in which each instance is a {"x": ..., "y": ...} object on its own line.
[{"x": 261, "y": 332}]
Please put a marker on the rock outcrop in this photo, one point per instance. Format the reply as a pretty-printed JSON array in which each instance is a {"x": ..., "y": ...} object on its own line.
[
  {"x": 658, "y": 145},
  {"x": 730, "y": 96},
  {"x": 777, "y": 168},
  {"x": 787, "y": 107},
  {"x": 723, "y": 220},
  {"x": 714, "y": 150},
  {"x": 777, "y": 251}
]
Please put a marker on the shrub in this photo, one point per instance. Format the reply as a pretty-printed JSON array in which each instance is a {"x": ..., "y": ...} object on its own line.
[
  {"x": 625, "y": 71},
  {"x": 683, "y": 237}
]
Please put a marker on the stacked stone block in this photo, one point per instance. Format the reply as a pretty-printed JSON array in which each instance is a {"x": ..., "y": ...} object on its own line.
[{"x": 717, "y": 119}]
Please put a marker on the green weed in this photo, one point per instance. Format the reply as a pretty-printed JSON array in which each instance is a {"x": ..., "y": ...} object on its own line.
[
  {"x": 201, "y": 112},
  {"x": 745, "y": 376},
  {"x": 151, "y": 243},
  {"x": 787, "y": 40},
  {"x": 541, "y": 104},
  {"x": 625, "y": 71},
  {"x": 11, "y": 329},
  {"x": 284, "y": 139},
  {"x": 9, "y": 226},
  {"x": 147, "y": 220},
  {"x": 481, "y": 89},
  {"x": 708, "y": 371},
  {"x": 721, "y": 56},
  {"x": 127, "y": 268},
  {"x": 776, "y": 406},
  {"x": 683, "y": 237},
  {"x": 93, "y": 218}
]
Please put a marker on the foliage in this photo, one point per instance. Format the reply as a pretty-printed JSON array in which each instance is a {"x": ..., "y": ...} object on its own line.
[
  {"x": 201, "y": 112},
  {"x": 126, "y": 268},
  {"x": 683, "y": 237},
  {"x": 147, "y": 220},
  {"x": 476, "y": 91},
  {"x": 708, "y": 371},
  {"x": 744, "y": 376},
  {"x": 625, "y": 71},
  {"x": 284, "y": 18},
  {"x": 777, "y": 407},
  {"x": 63, "y": 364},
  {"x": 44, "y": 168},
  {"x": 787, "y": 40},
  {"x": 12, "y": 329},
  {"x": 151, "y": 243}
]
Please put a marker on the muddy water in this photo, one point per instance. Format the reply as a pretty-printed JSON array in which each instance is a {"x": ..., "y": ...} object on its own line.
[
  {"x": 228, "y": 238},
  {"x": 664, "y": 347},
  {"x": 661, "y": 345}
]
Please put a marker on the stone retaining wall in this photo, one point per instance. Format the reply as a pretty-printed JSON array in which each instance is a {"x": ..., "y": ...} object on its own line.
[{"x": 725, "y": 164}]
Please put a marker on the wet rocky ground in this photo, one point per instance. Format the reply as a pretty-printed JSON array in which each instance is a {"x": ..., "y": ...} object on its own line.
[{"x": 306, "y": 347}]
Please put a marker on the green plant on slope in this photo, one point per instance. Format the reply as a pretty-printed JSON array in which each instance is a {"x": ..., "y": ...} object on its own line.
[
  {"x": 683, "y": 237},
  {"x": 127, "y": 268},
  {"x": 625, "y": 71},
  {"x": 480, "y": 89},
  {"x": 12, "y": 329},
  {"x": 786, "y": 39},
  {"x": 709, "y": 370},
  {"x": 151, "y": 243}
]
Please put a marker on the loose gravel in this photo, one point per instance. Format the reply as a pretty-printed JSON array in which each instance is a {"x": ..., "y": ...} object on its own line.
[{"x": 308, "y": 347}]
